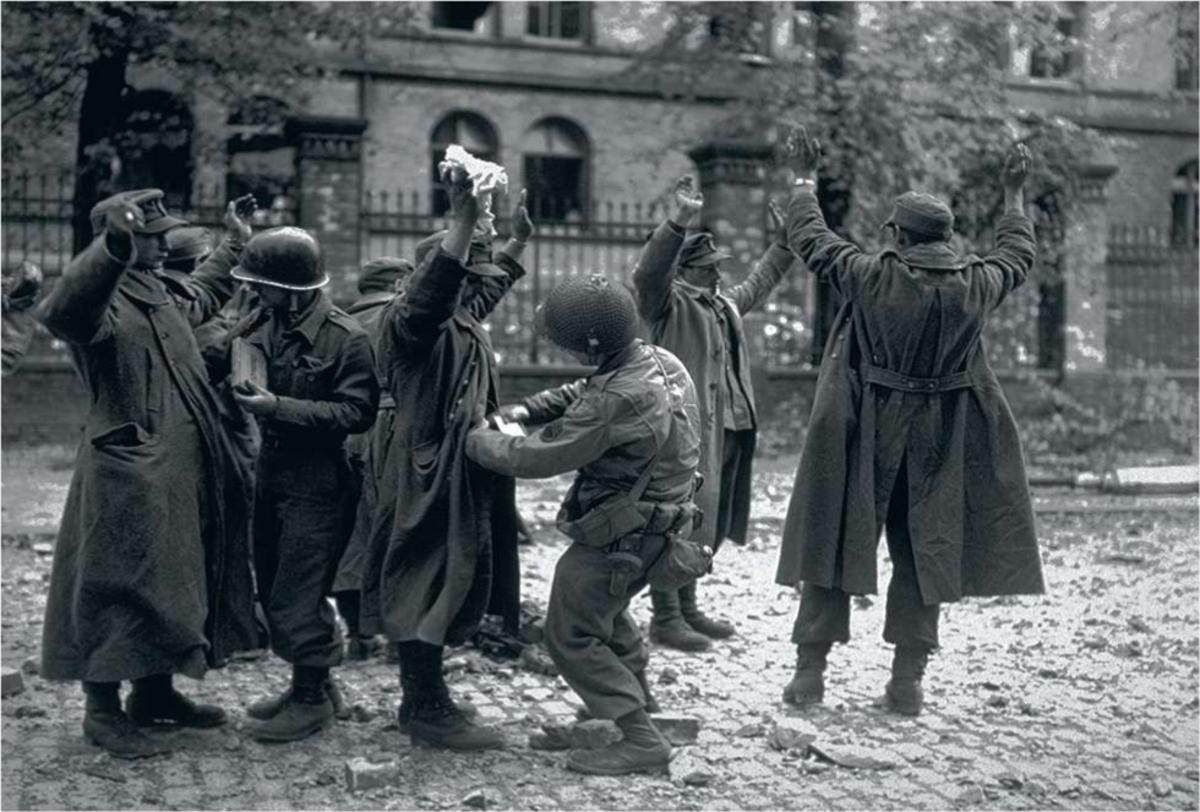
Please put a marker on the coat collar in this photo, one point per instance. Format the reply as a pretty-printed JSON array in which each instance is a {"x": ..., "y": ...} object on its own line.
[
  {"x": 697, "y": 292},
  {"x": 309, "y": 321},
  {"x": 145, "y": 286},
  {"x": 370, "y": 300},
  {"x": 938, "y": 256}
]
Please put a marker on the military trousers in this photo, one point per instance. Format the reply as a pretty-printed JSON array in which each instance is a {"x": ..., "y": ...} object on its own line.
[
  {"x": 824, "y": 614},
  {"x": 591, "y": 636},
  {"x": 303, "y": 515}
]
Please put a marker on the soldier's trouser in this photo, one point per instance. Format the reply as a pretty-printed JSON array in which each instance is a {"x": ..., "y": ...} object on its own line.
[
  {"x": 591, "y": 637},
  {"x": 300, "y": 531},
  {"x": 737, "y": 453},
  {"x": 824, "y": 615}
]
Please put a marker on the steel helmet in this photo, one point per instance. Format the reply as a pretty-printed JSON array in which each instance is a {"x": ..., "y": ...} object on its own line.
[
  {"x": 284, "y": 257},
  {"x": 589, "y": 314}
]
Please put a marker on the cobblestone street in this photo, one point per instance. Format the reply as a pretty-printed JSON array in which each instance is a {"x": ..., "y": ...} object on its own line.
[{"x": 1085, "y": 698}]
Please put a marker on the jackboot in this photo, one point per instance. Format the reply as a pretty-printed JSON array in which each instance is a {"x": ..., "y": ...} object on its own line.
[
  {"x": 668, "y": 628},
  {"x": 903, "y": 693},
  {"x": 106, "y": 725},
  {"x": 808, "y": 683},
  {"x": 642, "y": 750},
  {"x": 700, "y": 622},
  {"x": 307, "y": 710},
  {"x": 154, "y": 701}
]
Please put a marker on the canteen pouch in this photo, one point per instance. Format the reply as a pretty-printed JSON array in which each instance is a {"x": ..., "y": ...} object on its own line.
[
  {"x": 682, "y": 561},
  {"x": 604, "y": 523}
]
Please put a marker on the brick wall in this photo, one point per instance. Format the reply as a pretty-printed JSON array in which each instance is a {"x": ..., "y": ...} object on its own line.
[{"x": 1140, "y": 192}]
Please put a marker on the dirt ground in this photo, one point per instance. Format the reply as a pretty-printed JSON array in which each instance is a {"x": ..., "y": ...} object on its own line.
[{"x": 1084, "y": 698}]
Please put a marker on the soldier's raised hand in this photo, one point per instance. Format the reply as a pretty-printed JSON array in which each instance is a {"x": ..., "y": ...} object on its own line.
[
  {"x": 459, "y": 188},
  {"x": 688, "y": 200},
  {"x": 1016, "y": 167},
  {"x": 237, "y": 217},
  {"x": 801, "y": 152},
  {"x": 522, "y": 226}
]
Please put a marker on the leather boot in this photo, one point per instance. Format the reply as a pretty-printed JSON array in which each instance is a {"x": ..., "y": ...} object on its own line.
[
  {"x": 903, "y": 693},
  {"x": 668, "y": 628},
  {"x": 307, "y": 710},
  {"x": 107, "y": 726},
  {"x": 808, "y": 683},
  {"x": 269, "y": 706},
  {"x": 642, "y": 750},
  {"x": 154, "y": 701},
  {"x": 707, "y": 626},
  {"x": 431, "y": 719},
  {"x": 404, "y": 713}
]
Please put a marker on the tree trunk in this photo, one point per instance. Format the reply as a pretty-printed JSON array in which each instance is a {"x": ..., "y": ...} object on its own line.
[{"x": 99, "y": 117}]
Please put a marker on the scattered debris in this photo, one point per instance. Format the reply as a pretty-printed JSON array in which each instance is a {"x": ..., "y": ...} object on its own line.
[
  {"x": 678, "y": 730},
  {"x": 535, "y": 660},
  {"x": 972, "y": 795},
  {"x": 792, "y": 734},
  {"x": 851, "y": 756},
  {"x": 476, "y": 800},
  {"x": 1162, "y": 787},
  {"x": 11, "y": 682},
  {"x": 362, "y": 774},
  {"x": 668, "y": 676}
]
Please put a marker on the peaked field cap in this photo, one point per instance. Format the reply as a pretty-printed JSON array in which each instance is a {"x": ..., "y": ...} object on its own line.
[
  {"x": 700, "y": 249},
  {"x": 150, "y": 201},
  {"x": 188, "y": 242},
  {"x": 383, "y": 273},
  {"x": 923, "y": 214},
  {"x": 285, "y": 257}
]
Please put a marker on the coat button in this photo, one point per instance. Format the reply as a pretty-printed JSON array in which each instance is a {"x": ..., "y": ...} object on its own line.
[
  {"x": 833, "y": 355},
  {"x": 310, "y": 376},
  {"x": 875, "y": 359}
]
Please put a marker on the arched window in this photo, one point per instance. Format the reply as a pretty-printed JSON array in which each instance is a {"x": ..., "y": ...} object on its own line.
[
  {"x": 262, "y": 160},
  {"x": 471, "y": 131},
  {"x": 556, "y": 157},
  {"x": 1185, "y": 208},
  {"x": 155, "y": 145}
]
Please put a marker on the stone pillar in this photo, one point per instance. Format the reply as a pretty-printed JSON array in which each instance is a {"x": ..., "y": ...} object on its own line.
[
  {"x": 1085, "y": 261},
  {"x": 733, "y": 180},
  {"x": 329, "y": 182}
]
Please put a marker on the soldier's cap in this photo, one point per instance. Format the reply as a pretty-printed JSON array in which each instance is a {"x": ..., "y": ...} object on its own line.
[
  {"x": 150, "y": 201},
  {"x": 187, "y": 243},
  {"x": 700, "y": 250},
  {"x": 922, "y": 214},
  {"x": 383, "y": 274},
  {"x": 479, "y": 256}
]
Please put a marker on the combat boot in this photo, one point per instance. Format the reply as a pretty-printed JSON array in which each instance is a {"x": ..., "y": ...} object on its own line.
[
  {"x": 268, "y": 707},
  {"x": 404, "y": 713},
  {"x": 117, "y": 734},
  {"x": 642, "y": 750},
  {"x": 668, "y": 628},
  {"x": 903, "y": 693},
  {"x": 700, "y": 622},
  {"x": 436, "y": 722},
  {"x": 808, "y": 683},
  {"x": 307, "y": 710},
  {"x": 154, "y": 700}
]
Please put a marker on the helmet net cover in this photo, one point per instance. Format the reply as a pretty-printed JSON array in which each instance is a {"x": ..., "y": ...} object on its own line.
[{"x": 589, "y": 315}]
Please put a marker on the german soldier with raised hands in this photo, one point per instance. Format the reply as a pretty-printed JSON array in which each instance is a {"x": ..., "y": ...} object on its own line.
[
  {"x": 317, "y": 385},
  {"x": 631, "y": 430},
  {"x": 432, "y": 564},
  {"x": 910, "y": 432},
  {"x": 151, "y": 575},
  {"x": 687, "y": 311}
]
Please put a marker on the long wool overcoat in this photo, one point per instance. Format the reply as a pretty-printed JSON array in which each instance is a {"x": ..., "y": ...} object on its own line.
[
  {"x": 691, "y": 324},
  {"x": 151, "y": 569},
  {"x": 910, "y": 318},
  {"x": 443, "y": 547}
]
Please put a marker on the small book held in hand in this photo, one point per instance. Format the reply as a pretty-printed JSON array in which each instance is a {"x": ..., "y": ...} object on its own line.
[{"x": 249, "y": 363}]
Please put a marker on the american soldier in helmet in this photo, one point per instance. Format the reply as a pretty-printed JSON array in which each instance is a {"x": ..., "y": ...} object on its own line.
[
  {"x": 150, "y": 575},
  {"x": 319, "y": 387},
  {"x": 631, "y": 430}
]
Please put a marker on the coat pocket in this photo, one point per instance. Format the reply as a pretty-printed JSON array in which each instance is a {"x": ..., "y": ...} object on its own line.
[
  {"x": 125, "y": 435},
  {"x": 424, "y": 457},
  {"x": 310, "y": 377}
]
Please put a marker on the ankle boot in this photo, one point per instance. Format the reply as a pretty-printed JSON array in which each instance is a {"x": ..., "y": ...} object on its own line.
[
  {"x": 903, "y": 693},
  {"x": 427, "y": 713},
  {"x": 700, "y": 622},
  {"x": 808, "y": 683},
  {"x": 306, "y": 710},
  {"x": 154, "y": 701},
  {"x": 668, "y": 628},
  {"x": 107, "y": 726},
  {"x": 404, "y": 713},
  {"x": 642, "y": 750}
]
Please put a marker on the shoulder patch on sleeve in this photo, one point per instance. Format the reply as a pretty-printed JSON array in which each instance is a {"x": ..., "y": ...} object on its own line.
[{"x": 550, "y": 431}]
